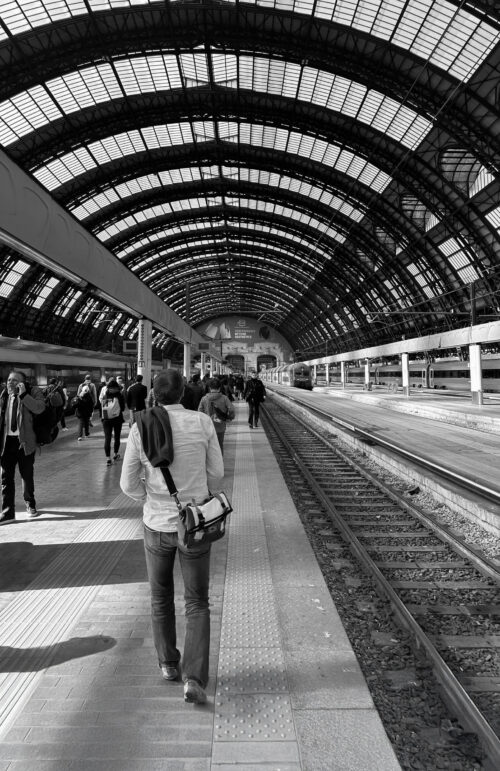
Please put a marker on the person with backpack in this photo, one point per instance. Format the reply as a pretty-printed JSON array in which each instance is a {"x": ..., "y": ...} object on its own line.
[
  {"x": 218, "y": 407},
  {"x": 254, "y": 395},
  {"x": 19, "y": 403},
  {"x": 113, "y": 405},
  {"x": 87, "y": 383},
  {"x": 84, "y": 407}
]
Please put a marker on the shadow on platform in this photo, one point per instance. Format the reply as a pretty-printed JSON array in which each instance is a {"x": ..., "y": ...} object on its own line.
[{"x": 36, "y": 659}]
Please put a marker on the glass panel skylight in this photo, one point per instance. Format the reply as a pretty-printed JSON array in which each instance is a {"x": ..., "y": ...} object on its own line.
[
  {"x": 55, "y": 173},
  {"x": 452, "y": 38},
  {"x": 107, "y": 197},
  {"x": 493, "y": 216},
  {"x": 239, "y": 214},
  {"x": 137, "y": 75},
  {"x": 65, "y": 304},
  {"x": 26, "y": 112},
  {"x": 12, "y": 276},
  {"x": 42, "y": 291},
  {"x": 459, "y": 259}
]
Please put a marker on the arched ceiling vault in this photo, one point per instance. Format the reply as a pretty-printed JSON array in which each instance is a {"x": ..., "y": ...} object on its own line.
[{"x": 338, "y": 160}]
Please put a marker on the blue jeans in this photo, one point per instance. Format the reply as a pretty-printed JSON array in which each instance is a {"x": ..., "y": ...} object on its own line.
[{"x": 160, "y": 549}]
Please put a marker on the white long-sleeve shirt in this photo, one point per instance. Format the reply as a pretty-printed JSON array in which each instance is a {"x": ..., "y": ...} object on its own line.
[{"x": 196, "y": 468}]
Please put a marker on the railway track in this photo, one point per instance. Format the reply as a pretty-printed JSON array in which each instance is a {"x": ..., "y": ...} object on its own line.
[{"x": 444, "y": 593}]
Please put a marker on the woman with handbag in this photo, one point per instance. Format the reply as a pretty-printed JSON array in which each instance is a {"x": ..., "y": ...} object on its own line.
[
  {"x": 184, "y": 441},
  {"x": 112, "y": 406}
]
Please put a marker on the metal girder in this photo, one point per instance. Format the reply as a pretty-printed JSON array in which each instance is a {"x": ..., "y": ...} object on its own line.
[{"x": 32, "y": 223}]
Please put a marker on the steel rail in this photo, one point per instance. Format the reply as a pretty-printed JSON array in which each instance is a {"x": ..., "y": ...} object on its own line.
[
  {"x": 454, "y": 693},
  {"x": 469, "y": 483}
]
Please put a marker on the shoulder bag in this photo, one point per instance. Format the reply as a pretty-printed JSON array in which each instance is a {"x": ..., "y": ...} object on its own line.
[{"x": 202, "y": 523}]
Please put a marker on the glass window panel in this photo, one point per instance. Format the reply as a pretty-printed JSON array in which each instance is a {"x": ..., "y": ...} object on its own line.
[
  {"x": 194, "y": 68},
  {"x": 65, "y": 304},
  {"x": 493, "y": 217},
  {"x": 12, "y": 275},
  {"x": 419, "y": 25},
  {"x": 40, "y": 293},
  {"x": 25, "y": 112}
]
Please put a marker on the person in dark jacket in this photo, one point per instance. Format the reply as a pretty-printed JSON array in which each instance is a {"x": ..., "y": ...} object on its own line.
[
  {"x": 113, "y": 405},
  {"x": 197, "y": 390},
  {"x": 83, "y": 410},
  {"x": 18, "y": 404},
  {"x": 136, "y": 397},
  {"x": 254, "y": 394}
]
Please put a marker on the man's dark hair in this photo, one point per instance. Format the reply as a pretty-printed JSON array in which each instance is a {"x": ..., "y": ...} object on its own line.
[
  {"x": 214, "y": 382},
  {"x": 196, "y": 377},
  {"x": 52, "y": 381},
  {"x": 168, "y": 386},
  {"x": 138, "y": 378}
]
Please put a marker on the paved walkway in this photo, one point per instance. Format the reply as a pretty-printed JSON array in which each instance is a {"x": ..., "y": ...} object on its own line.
[{"x": 79, "y": 685}]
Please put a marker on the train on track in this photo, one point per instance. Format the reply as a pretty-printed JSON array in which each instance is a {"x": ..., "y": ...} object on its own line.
[
  {"x": 41, "y": 362},
  {"x": 297, "y": 375},
  {"x": 450, "y": 374}
]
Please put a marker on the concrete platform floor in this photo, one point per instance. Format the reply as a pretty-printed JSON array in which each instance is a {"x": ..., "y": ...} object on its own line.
[{"x": 79, "y": 684}]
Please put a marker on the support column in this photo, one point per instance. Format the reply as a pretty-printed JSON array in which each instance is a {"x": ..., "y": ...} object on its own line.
[
  {"x": 40, "y": 374},
  {"x": 203, "y": 364},
  {"x": 342, "y": 374},
  {"x": 476, "y": 379},
  {"x": 368, "y": 384},
  {"x": 405, "y": 372},
  {"x": 327, "y": 373},
  {"x": 144, "y": 346},
  {"x": 315, "y": 373},
  {"x": 187, "y": 361}
]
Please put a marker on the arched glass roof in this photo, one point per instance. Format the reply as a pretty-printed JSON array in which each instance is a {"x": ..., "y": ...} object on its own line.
[
  {"x": 91, "y": 86},
  {"x": 349, "y": 164}
]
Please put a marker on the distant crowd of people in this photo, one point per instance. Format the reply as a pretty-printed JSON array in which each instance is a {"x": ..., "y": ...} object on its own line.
[{"x": 182, "y": 426}]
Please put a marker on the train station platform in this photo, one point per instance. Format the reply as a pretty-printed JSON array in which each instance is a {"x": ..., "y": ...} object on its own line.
[
  {"x": 80, "y": 689},
  {"x": 431, "y": 430},
  {"x": 456, "y": 409}
]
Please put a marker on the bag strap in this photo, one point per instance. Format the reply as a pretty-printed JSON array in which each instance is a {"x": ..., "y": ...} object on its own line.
[
  {"x": 172, "y": 489},
  {"x": 169, "y": 480}
]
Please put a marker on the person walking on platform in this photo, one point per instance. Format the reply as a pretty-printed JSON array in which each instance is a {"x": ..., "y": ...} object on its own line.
[
  {"x": 92, "y": 390},
  {"x": 61, "y": 387},
  {"x": 136, "y": 397},
  {"x": 121, "y": 383},
  {"x": 255, "y": 394},
  {"x": 113, "y": 405},
  {"x": 239, "y": 385},
  {"x": 84, "y": 408},
  {"x": 197, "y": 389},
  {"x": 187, "y": 442},
  {"x": 18, "y": 404},
  {"x": 217, "y": 406}
]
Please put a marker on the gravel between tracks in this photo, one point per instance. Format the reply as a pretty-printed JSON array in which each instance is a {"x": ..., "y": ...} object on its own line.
[{"x": 418, "y": 723}]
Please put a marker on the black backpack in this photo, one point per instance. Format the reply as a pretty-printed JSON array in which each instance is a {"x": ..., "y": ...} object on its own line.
[{"x": 45, "y": 424}]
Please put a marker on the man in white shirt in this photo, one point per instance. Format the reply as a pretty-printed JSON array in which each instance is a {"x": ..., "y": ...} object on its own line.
[
  {"x": 196, "y": 465},
  {"x": 18, "y": 404}
]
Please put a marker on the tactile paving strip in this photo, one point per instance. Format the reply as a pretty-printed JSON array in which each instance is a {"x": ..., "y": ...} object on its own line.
[
  {"x": 252, "y": 700},
  {"x": 254, "y": 717}
]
